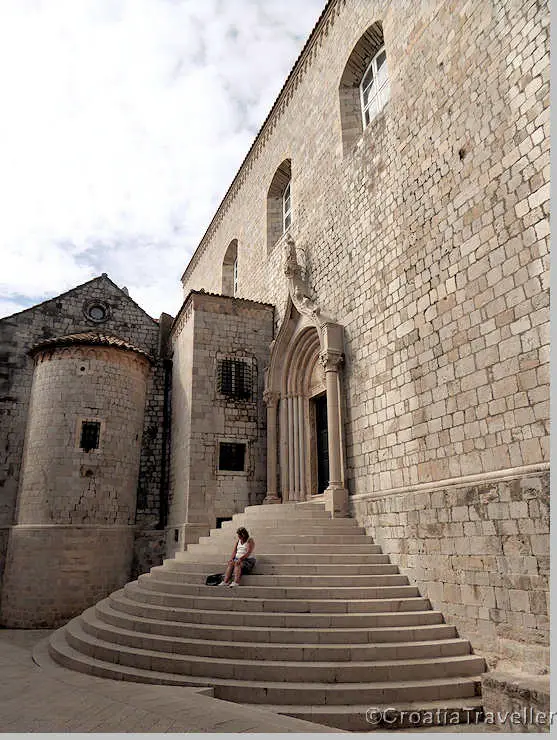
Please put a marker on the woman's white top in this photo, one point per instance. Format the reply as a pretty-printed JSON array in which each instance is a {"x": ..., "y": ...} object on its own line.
[{"x": 241, "y": 548}]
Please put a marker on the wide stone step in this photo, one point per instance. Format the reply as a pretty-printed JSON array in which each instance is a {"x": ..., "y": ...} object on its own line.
[
  {"x": 286, "y": 539},
  {"x": 409, "y": 612},
  {"x": 273, "y": 557},
  {"x": 273, "y": 670},
  {"x": 407, "y": 715},
  {"x": 305, "y": 516},
  {"x": 368, "y": 694},
  {"x": 308, "y": 635},
  {"x": 233, "y": 601},
  {"x": 287, "y": 581},
  {"x": 299, "y": 526},
  {"x": 268, "y": 651},
  {"x": 286, "y": 594},
  {"x": 264, "y": 567},
  {"x": 283, "y": 511},
  {"x": 278, "y": 549}
]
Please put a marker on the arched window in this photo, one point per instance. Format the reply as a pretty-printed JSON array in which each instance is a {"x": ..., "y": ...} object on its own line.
[
  {"x": 374, "y": 87},
  {"x": 364, "y": 85},
  {"x": 230, "y": 269},
  {"x": 279, "y": 204}
]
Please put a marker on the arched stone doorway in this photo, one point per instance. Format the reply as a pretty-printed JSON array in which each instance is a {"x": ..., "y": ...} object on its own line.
[
  {"x": 302, "y": 394},
  {"x": 302, "y": 379}
]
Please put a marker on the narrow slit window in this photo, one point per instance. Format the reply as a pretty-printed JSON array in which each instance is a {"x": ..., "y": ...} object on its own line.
[
  {"x": 90, "y": 435},
  {"x": 232, "y": 456}
]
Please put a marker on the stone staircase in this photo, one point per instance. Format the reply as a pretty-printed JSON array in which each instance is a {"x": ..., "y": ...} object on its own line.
[{"x": 325, "y": 629}]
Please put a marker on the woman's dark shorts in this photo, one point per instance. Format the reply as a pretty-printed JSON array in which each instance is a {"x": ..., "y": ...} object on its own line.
[{"x": 247, "y": 565}]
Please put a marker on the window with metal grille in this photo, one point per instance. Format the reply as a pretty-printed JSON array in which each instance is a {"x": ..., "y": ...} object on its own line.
[
  {"x": 235, "y": 379},
  {"x": 232, "y": 456},
  {"x": 90, "y": 433}
]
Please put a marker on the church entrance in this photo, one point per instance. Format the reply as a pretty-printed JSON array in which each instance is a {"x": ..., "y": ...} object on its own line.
[
  {"x": 321, "y": 442},
  {"x": 303, "y": 392}
]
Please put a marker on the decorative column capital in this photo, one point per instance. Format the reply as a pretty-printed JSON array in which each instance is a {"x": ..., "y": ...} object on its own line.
[
  {"x": 331, "y": 360},
  {"x": 271, "y": 398}
]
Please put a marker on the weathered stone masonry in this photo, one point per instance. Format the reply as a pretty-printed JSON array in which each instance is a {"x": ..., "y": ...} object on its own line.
[
  {"x": 68, "y": 314},
  {"x": 423, "y": 241},
  {"x": 209, "y": 329},
  {"x": 426, "y": 238}
]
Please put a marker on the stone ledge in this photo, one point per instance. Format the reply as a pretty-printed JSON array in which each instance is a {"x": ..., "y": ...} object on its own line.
[
  {"x": 520, "y": 702},
  {"x": 493, "y": 476}
]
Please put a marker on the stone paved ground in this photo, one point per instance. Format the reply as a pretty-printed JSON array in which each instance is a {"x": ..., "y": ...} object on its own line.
[{"x": 50, "y": 698}]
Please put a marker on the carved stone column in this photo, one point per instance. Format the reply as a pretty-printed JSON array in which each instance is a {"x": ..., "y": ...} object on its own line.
[
  {"x": 271, "y": 399},
  {"x": 336, "y": 495}
]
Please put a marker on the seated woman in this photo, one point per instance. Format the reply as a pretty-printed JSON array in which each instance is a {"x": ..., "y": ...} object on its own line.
[{"x": 241, "y": 561}]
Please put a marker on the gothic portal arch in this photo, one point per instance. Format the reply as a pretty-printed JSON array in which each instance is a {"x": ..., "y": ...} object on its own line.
[{"x": 302, "y": 381}]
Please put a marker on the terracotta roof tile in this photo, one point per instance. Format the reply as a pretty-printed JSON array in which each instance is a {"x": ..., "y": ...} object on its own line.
[{"x": 90, "y": 338}]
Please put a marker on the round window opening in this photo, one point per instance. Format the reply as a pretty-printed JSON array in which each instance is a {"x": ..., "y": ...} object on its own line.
[{"x": 97, "y": 312}]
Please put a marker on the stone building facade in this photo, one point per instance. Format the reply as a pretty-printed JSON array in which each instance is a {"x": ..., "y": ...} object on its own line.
[
  {"x": 366, "y": 317},
  {"x": 216, "y": 340},
  {"x": 69, "y": 515},
  {"x": 406, "y": 254}
]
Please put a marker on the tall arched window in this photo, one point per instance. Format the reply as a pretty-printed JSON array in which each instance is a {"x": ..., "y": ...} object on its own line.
[
  {"x": 230, "y": 269},
  {"x": 364, "y": 85},
  {"x": 279, "y": 204},
  {"x": 374, "y": 87}
]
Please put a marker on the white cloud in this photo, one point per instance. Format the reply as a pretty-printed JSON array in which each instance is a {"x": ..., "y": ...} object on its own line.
[{"x": 123, "y": 123}]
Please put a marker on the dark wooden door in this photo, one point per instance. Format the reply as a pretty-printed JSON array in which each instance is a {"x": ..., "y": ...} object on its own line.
[{"x": 322, "y": 439}]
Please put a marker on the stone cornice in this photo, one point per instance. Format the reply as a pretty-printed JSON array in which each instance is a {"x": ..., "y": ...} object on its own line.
[{"x": 196, "y": 298}]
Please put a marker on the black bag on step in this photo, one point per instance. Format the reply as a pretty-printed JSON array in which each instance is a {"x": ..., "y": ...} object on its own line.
[{"x": 215, "y": 579}]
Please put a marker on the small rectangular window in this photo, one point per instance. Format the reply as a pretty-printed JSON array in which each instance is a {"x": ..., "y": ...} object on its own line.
[
  {"x": 234, "y": 379},
  {"x": 232, "y": 456},
  {"x": 90, "y": 433}
]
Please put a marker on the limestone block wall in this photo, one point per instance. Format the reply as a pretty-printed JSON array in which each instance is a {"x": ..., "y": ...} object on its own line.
[
  {"x": 54, "y": 572},
  {"x": 181, "y": 415},
  {"x": 62, "y": 484},
  {"x": 214, "y": 328},
  {"x": 480, "y": 552},
  {"x": 60, "y": 316},
  {"x": 427, "y": 240}
]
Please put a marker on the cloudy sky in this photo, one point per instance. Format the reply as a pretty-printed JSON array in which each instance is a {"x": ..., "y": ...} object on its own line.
[{"x": 123, "y": 123}]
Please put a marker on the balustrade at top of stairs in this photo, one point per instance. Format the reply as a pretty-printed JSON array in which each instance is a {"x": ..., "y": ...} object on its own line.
[{"x": 326, "y": 629}]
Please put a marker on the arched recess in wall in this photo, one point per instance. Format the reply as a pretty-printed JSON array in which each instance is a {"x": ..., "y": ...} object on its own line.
[
  {"x": 229, "y": 269},
  {"x": 359, "y": 64},
  {"x": 279, "y": 204}
]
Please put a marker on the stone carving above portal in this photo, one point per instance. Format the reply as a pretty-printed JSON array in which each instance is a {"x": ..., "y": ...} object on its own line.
[{"x": 298, "y": 285}]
